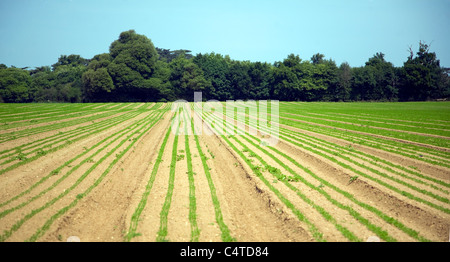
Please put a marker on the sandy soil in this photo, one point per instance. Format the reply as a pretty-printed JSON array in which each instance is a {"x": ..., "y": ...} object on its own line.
[{"x": 34, "y": 202}]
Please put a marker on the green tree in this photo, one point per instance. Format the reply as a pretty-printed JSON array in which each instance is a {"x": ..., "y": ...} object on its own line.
[
  {"x": 422, "y": 76},
  {"x": 15, "y": 85},
  {"x": 215, "y": 68},
  {"x": 260, "y": 77},
  {"x": 39, "y": 80},
  {"x": 284, "y": 79},
  {"x": 325, "y": 79},
  {"x": 62, "y": 84},
  {"x": 317, "y": 58},
  {"x": 70, "y": 60},
  {"x": 343, "y": 87},
  {"x": 186, "y": 78},
  {"x": 134, "y": 68},
  {"x": 97, "y": 83},
  {"x": 41, "y": 83},
  {"x": 162, "y": 75},
  {"x": 66, "y": 83},
  {"x": 362, "y": 82},
  {"x": 310, "y": 82},
  {"x": 386, "y": 79},
  {"x": 376, "y": 81},
  {"x": 167, "y": 56},
  {"x": 298, "y": 80},
  {"x": 240, "y": 81}
]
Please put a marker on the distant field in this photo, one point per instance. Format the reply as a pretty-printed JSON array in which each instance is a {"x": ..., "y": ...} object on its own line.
[{"x": 116, "y": 172}]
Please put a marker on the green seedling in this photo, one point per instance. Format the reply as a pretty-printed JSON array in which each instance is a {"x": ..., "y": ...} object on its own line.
[
  {"x": 41, "y": 152},
  {"x": 21, "y": 156},
  {"x": 180, "y": 157},
  {"x": 352, "y": 179}
]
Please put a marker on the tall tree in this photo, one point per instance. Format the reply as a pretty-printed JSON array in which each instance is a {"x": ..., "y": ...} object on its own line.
[
  {"x": 167, "y": 56},
  {"x": 284, "y": 80},
  {"x": 259, "y": 74},
  {"x": 97, "y": 83},
  {"x": 70, "y": 60},
  {"x": 240, "y": 81},
  {"x": 186, "y": 78},
  {"x": 134, "y": 67},
  {"x": 342, "y": 89},
  {"x": 386, "y": 79},
  {"x": 14, "y": 85},
  {"x": 422, "y": 76},
  {"x": 298, "y": 80},
  {"x": 317, "y": 58},
  {"x": 362, "y": 82},
  {"x": 376, "y": 81},
  {"x": 41, "y": 83},
  {"x": 215, "y": 68},
  {"x": 325, "y": 78}
]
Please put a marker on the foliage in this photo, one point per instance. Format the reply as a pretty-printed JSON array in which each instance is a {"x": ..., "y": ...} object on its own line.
[
  {"x": 14, "y": 85},
  {"x": 167, "y": 56},
  {"x": 186, "y": 78},
  {"x": 96, "y": 80},
  {"x": 422, "y": 76},
  {"x": 134, "y": 70},
  {"x": 295, "y": 79},
  {"x": 215, "y": 68}
]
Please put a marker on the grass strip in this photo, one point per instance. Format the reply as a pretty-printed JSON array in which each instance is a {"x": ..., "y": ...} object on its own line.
[
  {"x": 225, "y": 232},
  {"x": 36, "y": 130},
  {"x": 374, "y": 160},
  {"x": 63, "y": 136},
  {"x": 381, "y": 233},
  {"x": 387, "y": 185},
  {"x": 18, "y": 224},
  {"x": 138, "y": 211},
  {"x": 163, "y": 228},
  {"x": 141, "y": 131},
  {"x": 399, "y": 181},
  {"x": 368, "y": 140},
  {"x": 54, "y": 149},
  {"x": 367, "y": 125},
  {"x": 345, "y": 232},
  {"x": 317, "y": 235},
  {"x": 195, "y": 232},
  {"x": 404, "y": 193},
  {"x": 56, "y": 171}
]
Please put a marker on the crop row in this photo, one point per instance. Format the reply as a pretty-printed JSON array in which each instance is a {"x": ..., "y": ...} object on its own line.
[
  {"x": 365, "y": 136},
  {"x": 184, "y": 121},
  {"x": 351, "y": 158},
  {"x": 32, "y": 151},
  {"x": 415, "y": 113},
  {"x": 344, "y": 203},
  {"x": 293, "y": 138},
  {"x": 402, "y": 117},
  {"x": 123, "y": 139},
  {"x": 421, "y": 153}
]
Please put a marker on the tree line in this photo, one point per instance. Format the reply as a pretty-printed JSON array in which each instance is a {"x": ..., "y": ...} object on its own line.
[{"x": 135, "y": 70}]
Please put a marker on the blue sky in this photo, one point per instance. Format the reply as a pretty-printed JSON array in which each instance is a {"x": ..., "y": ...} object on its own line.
[{"x": 36, "y": 32}]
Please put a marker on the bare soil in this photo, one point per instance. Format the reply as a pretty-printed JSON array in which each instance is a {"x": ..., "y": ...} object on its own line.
[{"x": 251, "y": 211}]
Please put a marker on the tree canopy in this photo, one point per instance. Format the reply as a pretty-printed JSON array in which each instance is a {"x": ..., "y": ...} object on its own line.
[{"x": 135, "y": 70}]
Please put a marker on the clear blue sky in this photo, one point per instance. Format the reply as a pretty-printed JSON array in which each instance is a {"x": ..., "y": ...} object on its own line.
[{"x": 36, "y": 32}]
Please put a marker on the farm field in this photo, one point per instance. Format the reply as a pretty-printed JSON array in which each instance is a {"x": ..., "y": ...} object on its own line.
[{"x": 117, "y": 172}]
